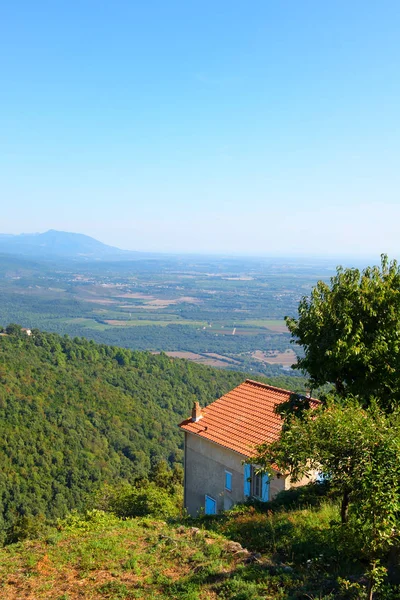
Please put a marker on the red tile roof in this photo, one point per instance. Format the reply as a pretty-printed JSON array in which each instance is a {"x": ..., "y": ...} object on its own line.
[{"x": 243, "y": 418}]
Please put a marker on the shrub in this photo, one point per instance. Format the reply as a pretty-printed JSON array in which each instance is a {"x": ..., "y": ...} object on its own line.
[
  {"x": 25, "y": 527},
  {"x": 91, "y": 520},
  {"x": 140, "y": 501},
  {"x": 305, "y": 496}
]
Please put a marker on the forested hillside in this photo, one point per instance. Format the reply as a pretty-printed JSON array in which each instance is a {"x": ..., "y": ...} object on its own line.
[{"x": 74, "y": 414}]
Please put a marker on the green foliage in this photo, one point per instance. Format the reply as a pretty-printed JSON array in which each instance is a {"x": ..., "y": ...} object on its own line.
[
  {"x": 109, "y": 303},
  {"x": 166, "y": 478},
  {"x": 349, "y": 331},
  {"x": 25, "y": 527},
  {"x": 142, "y": 500},
  {"x": 14, "y": 329},
  {"x": 90, "y": 520},
  {"x": 101, "y": 556},
  {"x": 74, "y": 415},
  {"x": 358, "y": 451},
  {"x": 313, "y": 494},
  {"x": 296, "y": 535}
]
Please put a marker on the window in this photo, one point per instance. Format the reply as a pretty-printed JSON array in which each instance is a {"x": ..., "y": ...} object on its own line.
[
  {"x": 210, "y": 507},
  {"x": 228, "y": 481},
  {"x": 256, "y": 484}
]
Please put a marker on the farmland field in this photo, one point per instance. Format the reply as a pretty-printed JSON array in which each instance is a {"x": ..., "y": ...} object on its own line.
[
  {"x": 276, "y": 325},
  {"x": 286, "y": 358},
  {"x": 220, "y": 311}
]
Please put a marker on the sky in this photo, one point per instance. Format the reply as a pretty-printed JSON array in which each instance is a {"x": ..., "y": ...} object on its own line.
[{"x": 266, "y": 127}]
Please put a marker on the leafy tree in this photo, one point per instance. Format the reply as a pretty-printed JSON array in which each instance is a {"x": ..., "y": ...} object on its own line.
[
  {"x": 358, "y": 451},
  {"x": 350, "y": 333},
  {"x": 14, "y": 329},
  {"x": 375, "y": 513},
  {"x": 166, "y": 478}
]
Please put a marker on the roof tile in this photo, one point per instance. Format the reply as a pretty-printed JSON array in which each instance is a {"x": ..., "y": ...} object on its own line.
[{"x": 243, "y": 418}]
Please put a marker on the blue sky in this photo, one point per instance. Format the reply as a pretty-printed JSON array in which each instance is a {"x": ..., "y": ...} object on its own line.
[{"x": 264, "y": 127}]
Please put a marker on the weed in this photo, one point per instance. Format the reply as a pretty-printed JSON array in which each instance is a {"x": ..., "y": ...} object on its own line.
[
  {"x": 114, "y": 590},
  {"x": 131, "y": 565}
]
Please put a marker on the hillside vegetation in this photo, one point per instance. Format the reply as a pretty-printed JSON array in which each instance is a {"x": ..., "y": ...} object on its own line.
[
  {"x": 75, "y": 415},
  {"x": 287, "y": 552}
]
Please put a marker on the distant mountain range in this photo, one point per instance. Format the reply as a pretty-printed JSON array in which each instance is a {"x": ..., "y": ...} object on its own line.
[{"x": 60, "y": 244}]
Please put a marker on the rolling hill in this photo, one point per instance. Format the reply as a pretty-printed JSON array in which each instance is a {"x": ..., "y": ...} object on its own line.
[
  {"x": 60, "y": 244},
  {"x": 75, "y": 414}
]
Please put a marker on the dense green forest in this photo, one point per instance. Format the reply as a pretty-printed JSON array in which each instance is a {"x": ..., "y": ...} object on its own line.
[{"x": 75, "y": 414}]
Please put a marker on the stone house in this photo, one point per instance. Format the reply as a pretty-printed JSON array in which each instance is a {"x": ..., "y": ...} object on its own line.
[{"x": 220, "y": 437}]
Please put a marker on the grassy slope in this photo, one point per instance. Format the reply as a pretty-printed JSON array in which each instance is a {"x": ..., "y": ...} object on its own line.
[{"x": 105, "y": 557}]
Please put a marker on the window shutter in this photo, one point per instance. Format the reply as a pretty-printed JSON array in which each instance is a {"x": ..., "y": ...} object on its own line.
[
  {"x": 247, "y": 475},
  {"x": 228, "y": 481},
  {"x": 265, "y": 488},
  {"x": 210, "y": 507}
]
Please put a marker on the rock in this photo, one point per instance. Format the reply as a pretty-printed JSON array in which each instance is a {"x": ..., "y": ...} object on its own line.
[
  {"x": 195, "y": 531},
  {"x": 233, "y": 547},
  {"x": 181, "y": 529},
  {"x": 243, "y": 553},
  {"x": 286, "y": 569},
  {"x": 255, "y": 557}
]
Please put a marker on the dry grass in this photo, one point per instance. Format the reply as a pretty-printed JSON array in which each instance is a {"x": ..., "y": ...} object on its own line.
[
  {"x": 148, "y": 559},
  {"x": 130, "y": 559}
]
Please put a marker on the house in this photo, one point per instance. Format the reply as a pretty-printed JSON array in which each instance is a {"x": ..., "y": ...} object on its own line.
[{"x": 220, "y": 437}]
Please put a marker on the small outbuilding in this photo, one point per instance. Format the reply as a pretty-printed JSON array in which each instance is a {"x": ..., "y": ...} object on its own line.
[{"x": 220, "y": 437}]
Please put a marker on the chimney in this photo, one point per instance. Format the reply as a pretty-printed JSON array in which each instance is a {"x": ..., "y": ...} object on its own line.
[{"x": 196, "y": 412}]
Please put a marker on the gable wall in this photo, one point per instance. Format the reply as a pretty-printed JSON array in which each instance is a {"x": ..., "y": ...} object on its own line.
[{"x": 205, "y": 465}]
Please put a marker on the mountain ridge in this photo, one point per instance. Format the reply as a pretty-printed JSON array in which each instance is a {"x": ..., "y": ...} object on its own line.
[{"x": 60, "y": 244}]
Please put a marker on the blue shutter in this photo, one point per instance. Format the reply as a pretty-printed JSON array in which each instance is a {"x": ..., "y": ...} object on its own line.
[
  {"x": 247, "y": 475},
  {"x": 228, "y": 481},
  {"x": 210, "y": 507},
  {"x": 265, "y": 488}
]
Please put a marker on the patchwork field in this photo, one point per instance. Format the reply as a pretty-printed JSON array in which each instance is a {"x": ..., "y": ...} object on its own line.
[
  {"x": 286, "y": 359},
  {"x": 276, "y": 325},
  {"x": 226, "y": 312},
  {"x": 210, "y": 359}
]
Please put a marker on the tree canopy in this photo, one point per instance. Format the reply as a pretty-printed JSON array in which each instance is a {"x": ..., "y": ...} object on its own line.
[
  {"x": 75, "y": 414},
  {"x": 350, "y": 333},
  {"x": 358, "y": 451}
]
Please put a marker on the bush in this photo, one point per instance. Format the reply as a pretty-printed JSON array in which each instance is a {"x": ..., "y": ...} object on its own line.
[
  {"x": 305, "y": 496},
  {"x": 139, "y": 501},
  {"x": 25, "y": 527},
  {"x": 91, "y": 520}
]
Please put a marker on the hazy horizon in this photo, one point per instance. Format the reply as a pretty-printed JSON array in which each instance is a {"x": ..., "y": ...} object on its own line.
[
  {"x": 295, "y": 257},
  {"x": 262, "y": 130}
]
